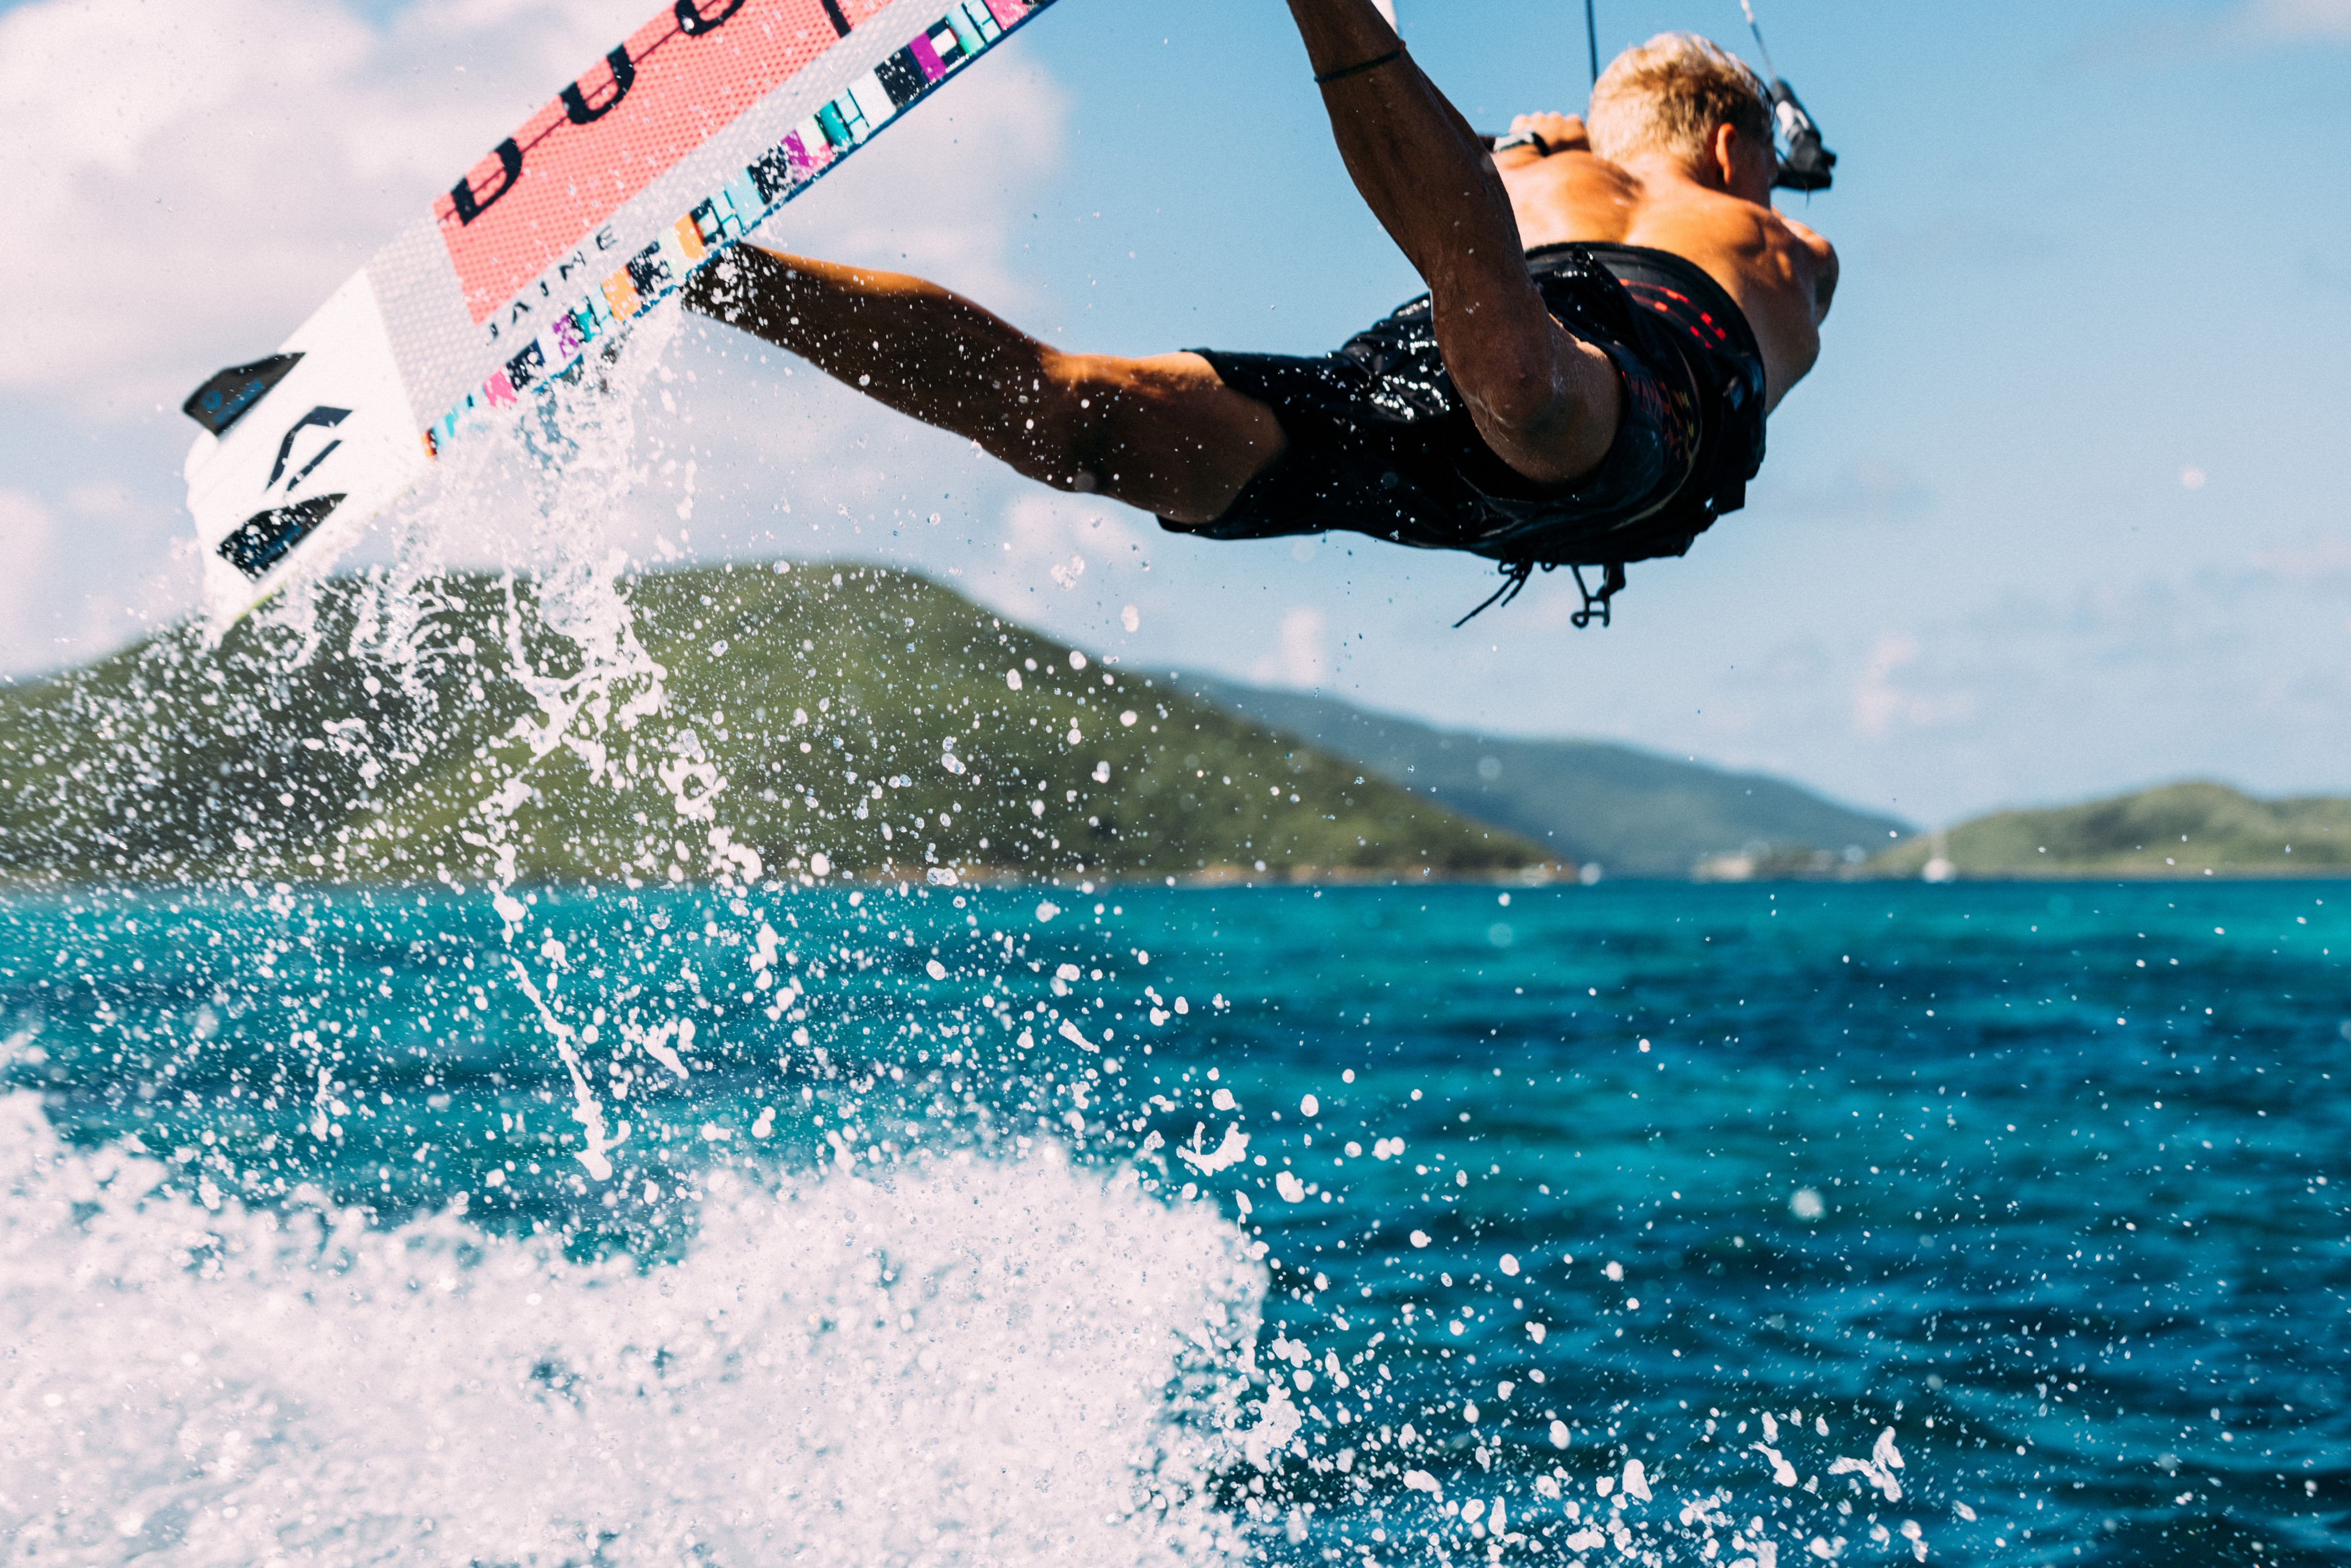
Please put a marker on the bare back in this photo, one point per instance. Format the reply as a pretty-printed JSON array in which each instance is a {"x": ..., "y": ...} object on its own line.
[{"x": 1781, "y": 274}]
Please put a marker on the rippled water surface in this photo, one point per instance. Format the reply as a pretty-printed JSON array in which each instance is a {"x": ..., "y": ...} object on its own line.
[{"x": 1964, "y": 1224}]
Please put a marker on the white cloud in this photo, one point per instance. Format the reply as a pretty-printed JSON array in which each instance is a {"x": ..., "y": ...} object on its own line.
[
  {"x": 2296, "y": 20},
  {"x": 2313, "y": 558},
  {"x": 1055, "y": 545},
  {"x": 1869, "y": 491},
  {"x": 1880, "y": 701},
  {"x": 2169, "y": 35},
  {"x": 100, "y": 500},
  {"x": 207, "y": 174},
  {"x": 25, "y": 640},
  {"x": 1302, "y": 657},
  {"x": 42, "y": 629},
  {"x": 2059, "y": 694},
  {"x": 198, "y": 177}
]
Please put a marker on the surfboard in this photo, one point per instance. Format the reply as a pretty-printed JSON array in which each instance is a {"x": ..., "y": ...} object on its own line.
[{"x": 680, "y": 141}]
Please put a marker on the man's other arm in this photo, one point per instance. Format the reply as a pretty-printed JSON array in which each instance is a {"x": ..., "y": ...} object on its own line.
[{"x": 1557, "y": 132}]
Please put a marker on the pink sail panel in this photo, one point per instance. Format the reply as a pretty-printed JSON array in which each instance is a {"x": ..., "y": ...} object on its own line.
[{"x": 652, "y": 99}]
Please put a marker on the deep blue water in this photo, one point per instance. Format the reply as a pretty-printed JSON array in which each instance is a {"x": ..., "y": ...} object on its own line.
[{"x": 2047, "y": 1180}]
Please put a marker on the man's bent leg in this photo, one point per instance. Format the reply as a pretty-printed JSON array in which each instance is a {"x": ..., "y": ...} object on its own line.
[
  {"x": 1163, "y": 433},
  {"x": 1547, "y": 403}
]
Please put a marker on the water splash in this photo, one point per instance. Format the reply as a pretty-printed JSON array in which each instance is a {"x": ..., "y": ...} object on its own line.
[
  {"x": 551, "y": 489},
  {"x": 982, "y": 1362}
]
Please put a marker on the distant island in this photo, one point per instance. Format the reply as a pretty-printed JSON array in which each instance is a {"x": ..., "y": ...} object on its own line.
[
  {"x": 2193, "y": 830},
  {"x": 814, "y": 720},
  {"x": 1592, "y": 802},
  {"x": 1635, "y": 814}
]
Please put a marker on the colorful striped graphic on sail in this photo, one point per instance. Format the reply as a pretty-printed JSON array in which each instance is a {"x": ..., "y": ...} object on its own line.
[{"x": 738, "y": 207}]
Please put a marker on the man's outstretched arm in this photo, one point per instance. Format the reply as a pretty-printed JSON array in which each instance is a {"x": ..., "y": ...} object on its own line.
[
  {"x": 1545, "y": 402},
  {"x": 1162, "y": 432}
]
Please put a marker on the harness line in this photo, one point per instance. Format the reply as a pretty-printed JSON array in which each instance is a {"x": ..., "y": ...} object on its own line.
[{"x": 1761, "y": 48}]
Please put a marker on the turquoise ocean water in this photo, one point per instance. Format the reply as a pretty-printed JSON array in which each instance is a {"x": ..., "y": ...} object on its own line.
[{"x": 1974, "y": 1223}]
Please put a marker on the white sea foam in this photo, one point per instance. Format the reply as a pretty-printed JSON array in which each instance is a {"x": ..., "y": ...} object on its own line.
[{"x": 987, "y": 1362}]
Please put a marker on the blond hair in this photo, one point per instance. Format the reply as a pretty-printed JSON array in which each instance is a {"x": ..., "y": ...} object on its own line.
[{"x": 1668, "y": 96}]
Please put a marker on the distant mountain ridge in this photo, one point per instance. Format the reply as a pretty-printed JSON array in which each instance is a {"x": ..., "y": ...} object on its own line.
[
  {"x": 849, "y": 720},
  {"x": 2191, "y": 829},
  {"x": 1632, "y": 812}
]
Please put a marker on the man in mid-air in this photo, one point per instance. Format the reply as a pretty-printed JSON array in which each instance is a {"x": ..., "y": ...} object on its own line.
[{"x": 1613, "y": 308}]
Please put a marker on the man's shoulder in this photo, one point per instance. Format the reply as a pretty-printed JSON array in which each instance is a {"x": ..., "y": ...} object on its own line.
[
  {"x": 1570, "y": 196},
  {"x": 1720, "y": 232},
  {"x": 1812, "y": 240}
]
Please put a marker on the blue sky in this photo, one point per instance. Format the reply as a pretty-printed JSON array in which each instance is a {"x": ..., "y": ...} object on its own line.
[{"x": 2055, "y": 516}]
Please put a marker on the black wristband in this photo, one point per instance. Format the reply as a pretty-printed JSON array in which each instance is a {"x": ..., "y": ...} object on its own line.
[
  {"x": 1343, "y": 72},
  {"x": 1525, "y": 138}
]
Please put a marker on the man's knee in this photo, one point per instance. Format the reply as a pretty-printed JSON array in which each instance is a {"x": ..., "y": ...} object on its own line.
[
  {"x": 1098, "y": 413},
  {"x": 1163, "y": 433},
  {"x": 1056, "y": 426}
]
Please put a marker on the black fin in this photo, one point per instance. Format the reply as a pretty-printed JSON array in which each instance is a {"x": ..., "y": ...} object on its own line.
[
  {"x": 230, "y": 395},
  {"x": 262, "y": 540}
]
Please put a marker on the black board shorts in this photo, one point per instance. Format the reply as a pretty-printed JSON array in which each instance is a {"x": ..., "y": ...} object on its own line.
[{"x": 1381, "y": 443}]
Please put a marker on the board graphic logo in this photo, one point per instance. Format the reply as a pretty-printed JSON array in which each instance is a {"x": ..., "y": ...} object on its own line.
[
  {"x": 320, "y": 418},
  {"x": 694, "y": 24},
  {"x": 625, "y": 77},
  {"x": 469, "y": 203}
]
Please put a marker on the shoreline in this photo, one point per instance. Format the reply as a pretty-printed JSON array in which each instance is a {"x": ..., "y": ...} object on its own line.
[{"x": 1212, "y": 879}]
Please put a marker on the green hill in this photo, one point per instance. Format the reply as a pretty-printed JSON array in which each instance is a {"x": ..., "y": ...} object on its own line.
[
  {"x": 2177, "y": 830},
  {"x": 858, "y": 715},
  {"x": 1633, "y": 812}
]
